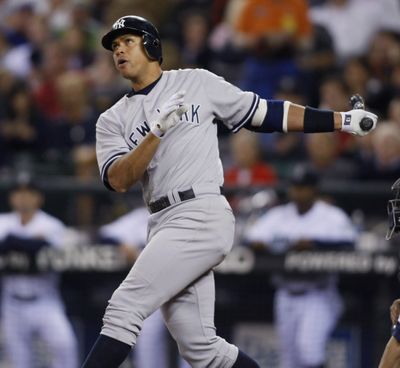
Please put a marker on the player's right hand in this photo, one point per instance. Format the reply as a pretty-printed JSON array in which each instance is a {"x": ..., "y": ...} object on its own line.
[
  {"x": 170, "y": 113},
  {"x": 351, "y": 121}
]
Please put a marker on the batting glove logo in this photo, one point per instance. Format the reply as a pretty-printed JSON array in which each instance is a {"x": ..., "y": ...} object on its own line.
[{"x": 347, "y": 119}]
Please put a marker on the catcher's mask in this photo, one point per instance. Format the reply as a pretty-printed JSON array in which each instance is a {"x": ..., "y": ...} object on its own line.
[{"x": 393, "y": 209}]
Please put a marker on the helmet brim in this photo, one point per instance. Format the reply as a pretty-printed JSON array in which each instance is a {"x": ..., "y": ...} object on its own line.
[{"x": 108, "y": 38}]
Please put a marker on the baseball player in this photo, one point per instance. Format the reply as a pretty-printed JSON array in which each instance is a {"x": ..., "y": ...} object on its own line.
[
  {"x": 306, "y": 307},
  {"x": 164, "y": 134},
  {"x": 391, "y": 355},
  {"x": 31, "y": 304},
  {"x": 153, "y": 335}
]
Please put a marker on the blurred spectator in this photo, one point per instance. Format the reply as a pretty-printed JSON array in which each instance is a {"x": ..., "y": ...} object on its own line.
[
  {"x": 384, "y": 162},
  {"x": 394, "y": 111},
  {"x": 73, "y": 137},
  {"x": 272, "y": 32},
  {"x": 306, "y": 306},
  {"x": 323, "y": 156},
  {"x": 383, "y": 57},
  {"x": 76, "y": 46},
  {"x": 52, "y": 65},
  {"x": 75, "y": 127},
  {"x": 194, "y": 48},
  {"x": 31, "y": 304},
  {"x": 316, "y": 62},
  {"x": 22, "y": 128},
  {"x": 106, "y": 86},
  {"x": 248, "y": 169},
  {"x": 356, "y": 76},
  {"x": 16, "y": 24},
  {"x": 21, "y": 59},
  {"x": 58, "y": 15},
  {"x": 228, "y": 57},
  {"x": 351, "y": 23}
]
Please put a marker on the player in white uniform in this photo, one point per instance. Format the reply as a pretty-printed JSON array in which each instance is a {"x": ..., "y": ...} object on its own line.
[
  {"x": 306, "y": 307},
  {"x": 164, "y": 134},
  {"x": 130, "y": 233},
  {"x": 31, "y": 304}
]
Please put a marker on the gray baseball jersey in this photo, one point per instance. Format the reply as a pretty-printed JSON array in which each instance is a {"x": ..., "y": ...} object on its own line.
[
  {"x": 188, "y": 239},
  {"x": 189, "y": 152}
]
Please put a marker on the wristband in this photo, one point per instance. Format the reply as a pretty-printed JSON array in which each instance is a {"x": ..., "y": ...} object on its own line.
[
  {"x": 346, "y": 122},
  {"x": 318, "y": 121}
]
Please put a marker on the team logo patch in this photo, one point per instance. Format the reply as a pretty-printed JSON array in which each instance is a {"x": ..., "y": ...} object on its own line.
[
  {"x": 120, "y": 23},
  {"x": 347, "y": 119}
]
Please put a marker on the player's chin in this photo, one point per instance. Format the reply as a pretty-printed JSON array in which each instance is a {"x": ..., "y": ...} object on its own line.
[{"x": 126, "y": 74}]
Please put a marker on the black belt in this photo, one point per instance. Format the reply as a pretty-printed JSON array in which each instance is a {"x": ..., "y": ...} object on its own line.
[
  {"x": 164, "y": 202},
  {"x": 300, "y": 292},
  {"x": 25, "y": 298}
]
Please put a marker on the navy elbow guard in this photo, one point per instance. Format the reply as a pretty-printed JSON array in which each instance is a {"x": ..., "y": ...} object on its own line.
[{"x": 274, "y": 119}]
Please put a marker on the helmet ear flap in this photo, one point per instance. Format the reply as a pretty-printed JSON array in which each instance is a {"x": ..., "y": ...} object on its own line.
[{"x": 152, "y": 47}]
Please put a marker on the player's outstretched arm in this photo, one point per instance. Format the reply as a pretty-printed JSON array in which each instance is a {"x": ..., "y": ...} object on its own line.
[{"x": 284, "y": 116}]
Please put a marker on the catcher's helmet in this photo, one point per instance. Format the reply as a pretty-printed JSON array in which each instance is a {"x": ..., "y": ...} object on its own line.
[
  {"x": 140, "y": 26},
  {"x": 393, "y": 208}
]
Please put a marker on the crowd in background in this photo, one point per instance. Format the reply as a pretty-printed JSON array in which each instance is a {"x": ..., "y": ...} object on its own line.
[{"x": 55, "y": 79}]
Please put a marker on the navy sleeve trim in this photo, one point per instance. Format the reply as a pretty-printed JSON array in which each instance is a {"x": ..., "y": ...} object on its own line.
[
  {"x": 106, "y": 166},
  {"x": 249, "y": 115}
]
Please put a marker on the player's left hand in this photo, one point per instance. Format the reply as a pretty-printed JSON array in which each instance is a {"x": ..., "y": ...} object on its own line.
[
  {"x": 395, "y": 311},
  {"x": 352, "y": 121},
  {"x": 170, "y": 113}
]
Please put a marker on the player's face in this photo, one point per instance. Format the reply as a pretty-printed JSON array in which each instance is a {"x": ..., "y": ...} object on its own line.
[
  {"x": 303, "y": 196},
  {"x": 25, "y": 200},
  {"x": 129, "y": 56}
]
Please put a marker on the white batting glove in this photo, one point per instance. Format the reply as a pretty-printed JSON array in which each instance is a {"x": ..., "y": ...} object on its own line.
[
  {"x": 352, "y": 121},
  {"x": 170, "y": 113}
]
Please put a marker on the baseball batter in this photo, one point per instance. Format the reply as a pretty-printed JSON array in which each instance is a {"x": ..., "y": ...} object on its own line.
[
  {"x": 164, "y": 135},
  {"x": 31, "y": 303}
]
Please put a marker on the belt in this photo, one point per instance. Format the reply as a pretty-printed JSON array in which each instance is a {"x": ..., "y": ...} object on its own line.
[
  {"x": 164, "y": 202},
  {"x": 299, "y": 292},
  {"x": 25, "y": 298}
]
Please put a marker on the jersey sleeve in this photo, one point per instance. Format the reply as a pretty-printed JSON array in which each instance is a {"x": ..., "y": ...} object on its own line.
[
  {"x": 229, "y": 103},
  {"x": 262, "y": 231},
  {"x": 110, "y": 143},
  {"x": 55, "y": 233},
  {"x": 340, "y": 226}
]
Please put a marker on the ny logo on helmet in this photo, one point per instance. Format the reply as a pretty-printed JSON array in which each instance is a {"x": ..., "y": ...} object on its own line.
[{"x": 120, "y": 23}]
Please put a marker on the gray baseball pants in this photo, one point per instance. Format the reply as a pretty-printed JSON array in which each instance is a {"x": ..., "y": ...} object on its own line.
[{"x": 174, "y": 272}]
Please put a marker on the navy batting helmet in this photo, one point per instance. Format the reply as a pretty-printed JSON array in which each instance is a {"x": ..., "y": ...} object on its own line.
[{"x": 136, "y": 25}]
